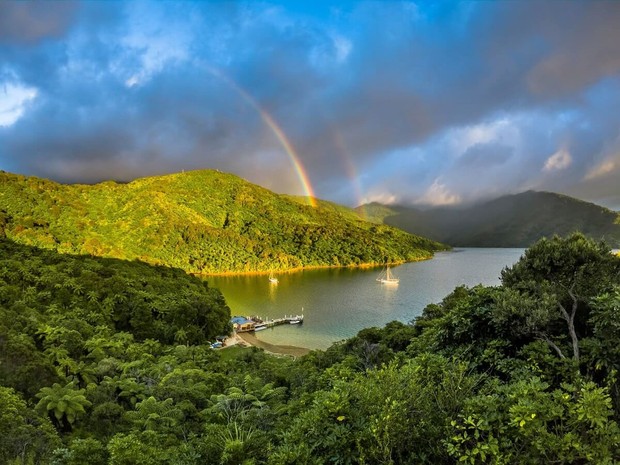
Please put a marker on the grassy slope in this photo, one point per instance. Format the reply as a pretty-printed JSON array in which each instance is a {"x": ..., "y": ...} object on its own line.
[
  {"x": 201, "y": 221},
  {"x": 510, "y": 221}
]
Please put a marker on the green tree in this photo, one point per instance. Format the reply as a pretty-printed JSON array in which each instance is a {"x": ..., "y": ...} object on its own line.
[
  {"x": 557, "y": 278},
  {"x": 25, "y": 437},
  {"x": 81, "y": 451},
  {"x": 63, "y": 404},
  {"x": 530, "y": 422},
  {"x": 154, "y": 415},
  {"x": 136, "y": 448},
  {"x": 603, "y": 348}
]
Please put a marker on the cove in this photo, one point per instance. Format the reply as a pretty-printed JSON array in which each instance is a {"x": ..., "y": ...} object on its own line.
[{"x": 338, "y": 302}]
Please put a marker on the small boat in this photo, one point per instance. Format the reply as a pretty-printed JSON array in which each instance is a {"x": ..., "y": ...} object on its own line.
[
  {"x": 297, "y": 319},
  {"x": 260, "y": 326},
  {"x": 386, "y": 277},
  {"x": 273, "y": 279}
]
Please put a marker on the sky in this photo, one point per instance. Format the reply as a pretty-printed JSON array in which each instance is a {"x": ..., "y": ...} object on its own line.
[{"x": 426, "y": 103}]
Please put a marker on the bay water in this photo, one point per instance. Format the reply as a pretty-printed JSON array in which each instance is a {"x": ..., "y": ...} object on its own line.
[{"x": 338, "y": 302}]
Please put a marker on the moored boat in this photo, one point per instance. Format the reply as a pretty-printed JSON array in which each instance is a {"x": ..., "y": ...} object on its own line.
[{"x": 386, "y": 277}]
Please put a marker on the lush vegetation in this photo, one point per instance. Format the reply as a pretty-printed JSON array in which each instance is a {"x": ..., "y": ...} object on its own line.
[
  {"x": 200, "y": 221},
  {"x": 104, "y": 362},
  {"x": 510, "y": 221}
]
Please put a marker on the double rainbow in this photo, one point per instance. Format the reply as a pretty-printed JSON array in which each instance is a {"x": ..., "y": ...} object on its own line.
[{"x": 278, "y": 133}]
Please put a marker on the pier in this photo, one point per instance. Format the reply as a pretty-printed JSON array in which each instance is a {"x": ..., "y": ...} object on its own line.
[{"x": 248, "y": 324}]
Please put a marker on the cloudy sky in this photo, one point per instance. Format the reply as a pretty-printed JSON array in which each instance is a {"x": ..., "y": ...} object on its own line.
[{"x": 434, "y": 103}]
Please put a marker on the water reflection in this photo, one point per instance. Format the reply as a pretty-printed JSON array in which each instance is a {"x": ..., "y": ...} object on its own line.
[{"x": 339, "y": 302}]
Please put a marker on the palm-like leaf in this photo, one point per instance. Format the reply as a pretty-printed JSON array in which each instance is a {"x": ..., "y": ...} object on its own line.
[{"x": 62, "y": 403}]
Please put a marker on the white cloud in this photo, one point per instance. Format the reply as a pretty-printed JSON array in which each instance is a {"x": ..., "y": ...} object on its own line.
[
  {"x": 602, "y": 169},
  {"x": 438, "y": 194},
  {"x": 343, "y": 48},
  {"x": 325, "y": 55},
  {"x": 384, "y": 198},
  {"x": 558, "y": 161},
  {"x": 133, "y": 80},
  {"x": 465, "y": 137},
  {"x": 155, "y": 47},
  {"x": 13, "y": 101}
]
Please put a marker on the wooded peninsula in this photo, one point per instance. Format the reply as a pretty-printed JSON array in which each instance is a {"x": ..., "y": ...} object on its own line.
[{"x": 204, "y": 222}]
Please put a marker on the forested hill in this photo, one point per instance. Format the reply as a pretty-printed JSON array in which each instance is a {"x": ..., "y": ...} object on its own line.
[
  {"x": 201, "y": 221},
  {"x": 511, "y": 221}
]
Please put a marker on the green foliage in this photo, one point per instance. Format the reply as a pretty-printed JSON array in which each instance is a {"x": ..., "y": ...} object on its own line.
[
  {"x": 134, "y": 448},
  {"x": 63, "y": 404},
  {"x": 81, "y": 451},
  {"x": 528, "y": 422},
  {"x": 557, "y": 278},
  {"x": 104, "y": 299},
  {"x": 93, "y": 369},
  {"x": 394, "y": 414},
  {"x": 25, "y": 437},
  {"x": 200, "y": 221}
]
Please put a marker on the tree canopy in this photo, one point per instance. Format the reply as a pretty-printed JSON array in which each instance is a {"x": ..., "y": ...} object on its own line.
[
  {"x": 487, "y": 375},
  {"x": 200, "y": 221}
]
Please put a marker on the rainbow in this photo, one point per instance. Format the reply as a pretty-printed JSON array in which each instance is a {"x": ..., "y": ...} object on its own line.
[
  {"x": 292, "y": 155},
  {"x": 279, "y": 134},
  {"x": 350, "y": 169}
]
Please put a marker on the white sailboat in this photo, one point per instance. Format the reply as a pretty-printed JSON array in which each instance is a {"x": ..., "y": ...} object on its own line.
[
  {"x": 273, "y": 279},
  {"x": 386, "y": 277}
]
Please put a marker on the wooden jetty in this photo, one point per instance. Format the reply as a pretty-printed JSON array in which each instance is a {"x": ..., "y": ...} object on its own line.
[{"x": 253, "y": 323}]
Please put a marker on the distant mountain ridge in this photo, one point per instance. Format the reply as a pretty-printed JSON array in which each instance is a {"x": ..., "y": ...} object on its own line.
[
  {"x": 516, "y": 220},
  {"x": 201, "y": 221}
]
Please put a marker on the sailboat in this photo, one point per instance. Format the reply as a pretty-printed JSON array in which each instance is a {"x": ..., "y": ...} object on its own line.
[
  {"x": 386, "y": 277},
  {"x": 273, "y": 279}
]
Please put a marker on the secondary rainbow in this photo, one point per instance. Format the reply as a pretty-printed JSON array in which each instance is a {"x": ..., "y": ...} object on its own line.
[{"x": 351, "y": 171}]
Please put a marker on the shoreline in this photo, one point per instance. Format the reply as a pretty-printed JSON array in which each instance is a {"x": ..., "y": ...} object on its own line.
[
  {"x": 313, "y": 267},
  {"x": 252, "y": 341}
]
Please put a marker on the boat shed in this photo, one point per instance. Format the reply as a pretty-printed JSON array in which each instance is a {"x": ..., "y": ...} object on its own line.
[{"x": 242, "y": 324}]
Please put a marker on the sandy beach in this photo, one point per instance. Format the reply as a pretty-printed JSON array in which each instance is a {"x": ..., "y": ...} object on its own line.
[{"x": 249, "y": 339}]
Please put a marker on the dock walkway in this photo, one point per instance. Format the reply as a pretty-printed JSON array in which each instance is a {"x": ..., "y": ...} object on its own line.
[
  {"x": 253, "y": 323},
  {"x": 286, "y": 320}
]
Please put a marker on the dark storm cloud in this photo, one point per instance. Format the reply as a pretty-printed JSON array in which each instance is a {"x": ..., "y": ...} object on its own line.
[
  {"x": 29, "y": 21},
  {"x": 172, "y": 123},
  {"x": 392, "y": 90},
  {"x": 434, "y": 76},
  {"x": 492, "y": 66},
  {"x": 577, "y": 42}
]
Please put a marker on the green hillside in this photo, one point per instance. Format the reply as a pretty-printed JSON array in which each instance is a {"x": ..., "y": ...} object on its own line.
[
  {"x": 510, "y": 221},
  {"x": 107, "y": 362},
  {"x": 201, "y": 221}
]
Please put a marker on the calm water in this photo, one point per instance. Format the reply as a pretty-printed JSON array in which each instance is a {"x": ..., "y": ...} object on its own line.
[{"x": 337, "y": 303}]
